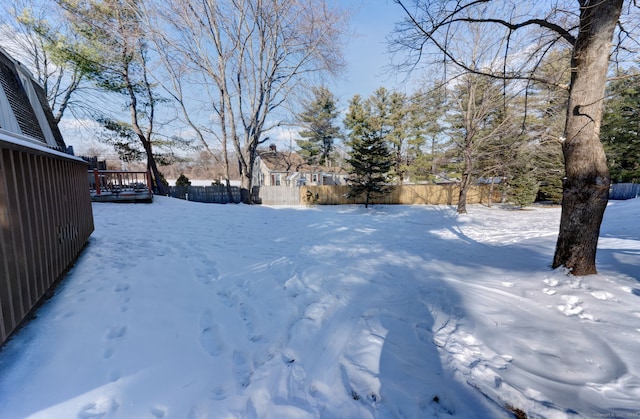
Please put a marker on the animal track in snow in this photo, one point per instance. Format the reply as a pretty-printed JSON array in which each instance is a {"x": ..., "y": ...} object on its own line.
[{"x": 210, "y": 338}]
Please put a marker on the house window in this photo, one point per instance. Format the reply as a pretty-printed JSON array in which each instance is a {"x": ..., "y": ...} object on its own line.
[
  {"x": 276, "y": 179},
  {"x": 314, "y": 177}
]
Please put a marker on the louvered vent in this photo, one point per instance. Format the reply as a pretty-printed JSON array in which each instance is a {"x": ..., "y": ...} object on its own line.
[{"x": 19, "y": 101}]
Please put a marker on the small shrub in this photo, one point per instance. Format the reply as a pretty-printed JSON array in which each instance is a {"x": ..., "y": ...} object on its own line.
[{"x": 183, "y": 181}]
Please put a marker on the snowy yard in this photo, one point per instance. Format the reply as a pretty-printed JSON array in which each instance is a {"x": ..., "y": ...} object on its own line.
[{"x": 185, "y": 310}]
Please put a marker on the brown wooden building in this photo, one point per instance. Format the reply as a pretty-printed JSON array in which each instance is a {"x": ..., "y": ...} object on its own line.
[{"x": 45, "y": 207}]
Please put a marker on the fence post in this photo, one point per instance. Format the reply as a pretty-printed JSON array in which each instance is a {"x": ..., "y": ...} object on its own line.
[{"x": 96, "y": 178}]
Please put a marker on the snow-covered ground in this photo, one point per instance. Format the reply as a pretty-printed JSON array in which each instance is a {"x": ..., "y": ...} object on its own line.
[{"x": 186, "y": 310}]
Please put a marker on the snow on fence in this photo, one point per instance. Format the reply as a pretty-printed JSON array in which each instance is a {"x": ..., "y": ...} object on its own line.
[
  {"x": 45, "y": 221},
  {"x": 624, "y": 191}
]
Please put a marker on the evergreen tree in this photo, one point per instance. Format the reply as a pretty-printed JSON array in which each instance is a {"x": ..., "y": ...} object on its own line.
[
  {"x": 399, "y": 120},
  {"x": 425, "y": 154},
  {"x": 523, "y": 186},
  {"x": 546, "y": 116},
  {"x": 621, "y": 128},
  {"x": 370, "y": 158},
  {"x": 318, "y": 118},
  {"x": 183, "y": 181}
]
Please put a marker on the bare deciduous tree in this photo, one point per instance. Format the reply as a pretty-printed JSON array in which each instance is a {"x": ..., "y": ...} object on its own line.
[
  {"x": 111, "y": 50},
  {"x": 247, "y": 57},
  {"x": 476, "y": 119},
  {"x": 26, "y": 24},
  {"x": 529, "y": 31}
]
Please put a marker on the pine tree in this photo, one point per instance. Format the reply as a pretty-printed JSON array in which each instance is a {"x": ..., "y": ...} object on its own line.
[
  {"x": 425, "y": 153},
  {"x": 370, "y": 158},
  {"x": 523, "y": 186},
  {"x": 319, "y": 120},
  {"x": 546, "y": 116},
  {"x": 620, "y": 126}
]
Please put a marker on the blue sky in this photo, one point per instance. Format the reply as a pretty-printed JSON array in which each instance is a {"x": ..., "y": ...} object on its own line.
[
  {"x": 366, "y": 52},
  {"x": 365, "y": 55}
]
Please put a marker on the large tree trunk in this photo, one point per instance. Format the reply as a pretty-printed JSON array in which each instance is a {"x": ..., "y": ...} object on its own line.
[
  {"x": 586, "y": 185},
  {"x": 246, "y": 163},
  {"x": 156, "y": 176},
  {"x": 465, "y": 183}
]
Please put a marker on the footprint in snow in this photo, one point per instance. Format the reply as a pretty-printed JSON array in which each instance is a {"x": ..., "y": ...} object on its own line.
[
  {"x": 158, "y": 412},
  {"x": 117, "y": 331},
  {"x": 121, "y": 287},
  {"x": 114, "y": 376},
  {"x": 210, "y": 338},
  {"x": 423, "y": 332},
  {"x": 108, "y": 353},
  {"x": 250, "y": 319},
  {"x": 241, "y": 369},
  {"x": 227, "y": 298},
  {"x": 207, "y": 275},
  {"x": 219, "y": 393},
  {"x": 99, "y": 408}
]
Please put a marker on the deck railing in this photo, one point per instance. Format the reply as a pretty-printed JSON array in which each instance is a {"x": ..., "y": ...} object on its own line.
[
  {"x": 120, "y": 185},
  {"x": 45, "y": 221}
]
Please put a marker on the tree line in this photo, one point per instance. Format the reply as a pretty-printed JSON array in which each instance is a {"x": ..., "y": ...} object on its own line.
[{"x": 478, "y": 129}]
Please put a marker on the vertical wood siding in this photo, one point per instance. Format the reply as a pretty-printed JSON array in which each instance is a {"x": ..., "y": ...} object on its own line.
[
  {"x": 400, "y": 194},
  {"x": 45, "y": 221}
]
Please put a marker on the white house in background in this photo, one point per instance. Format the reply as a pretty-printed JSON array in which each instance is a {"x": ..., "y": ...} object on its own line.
[{"x": 288, "y": 168}]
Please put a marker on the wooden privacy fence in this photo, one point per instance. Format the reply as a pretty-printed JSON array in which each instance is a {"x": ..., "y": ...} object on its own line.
[
  {"x": 276, "y": 195},
  {"x": 45, "y": 220},
  {"x": 401, "y": 194}
]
